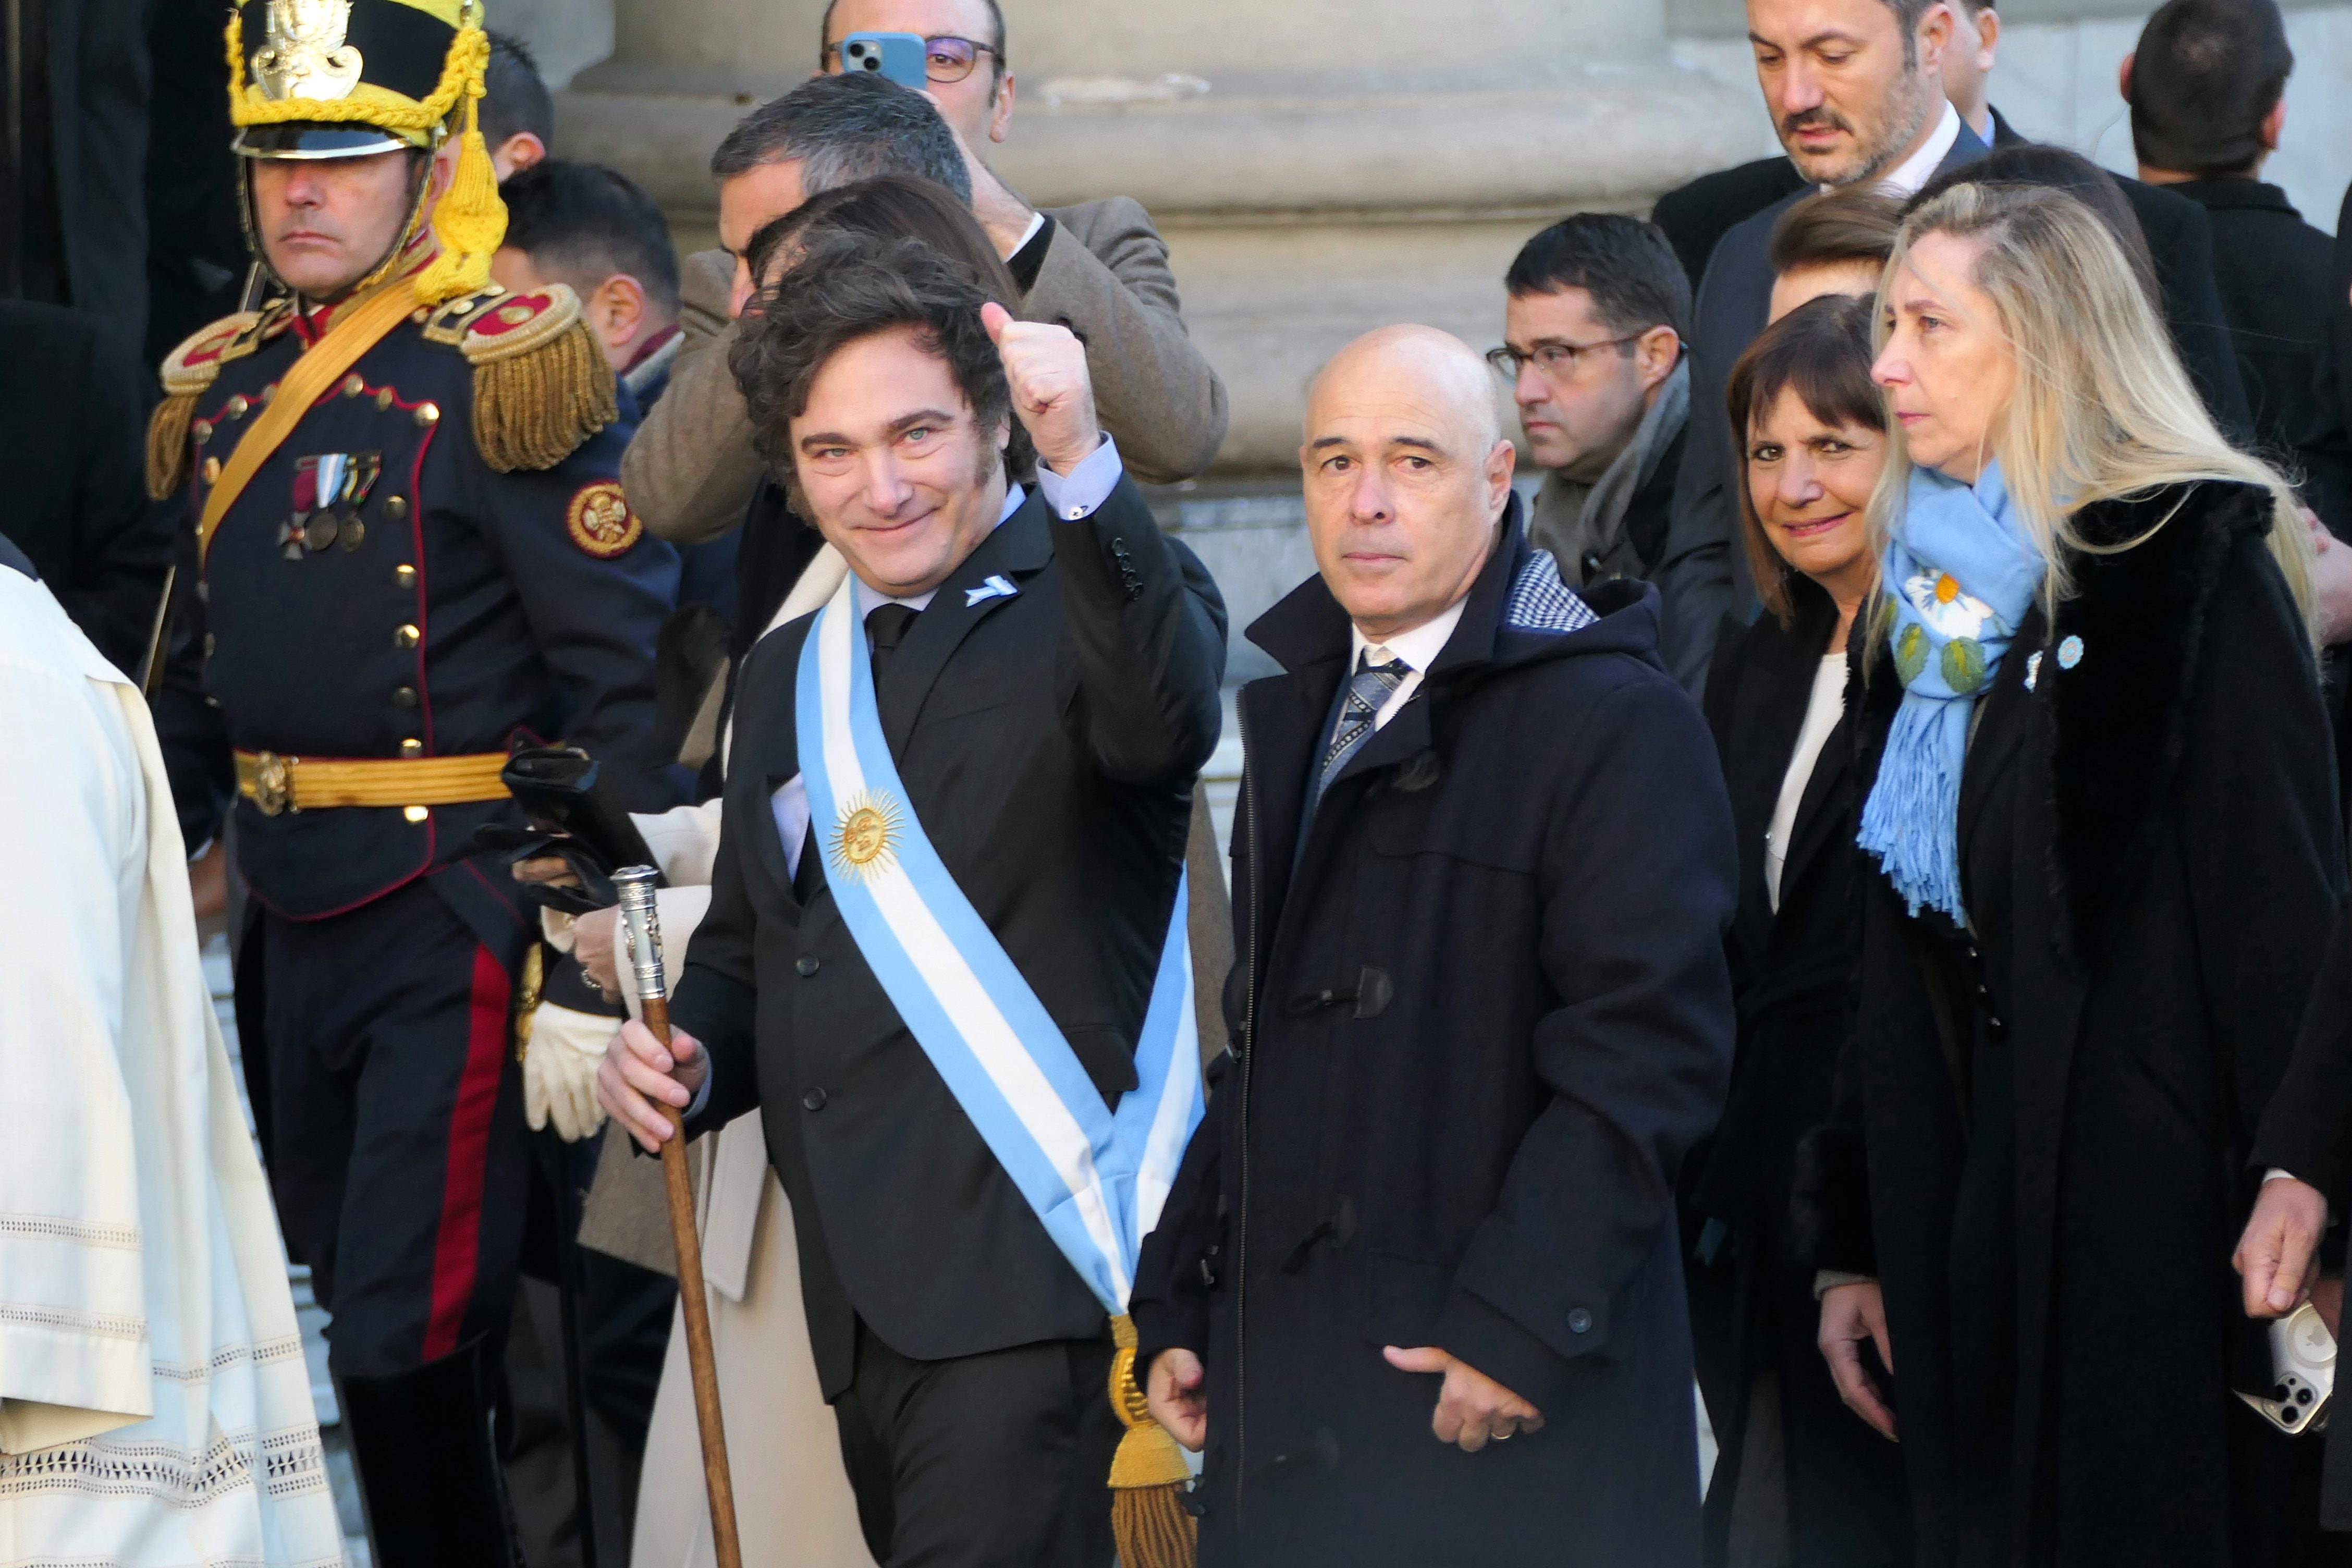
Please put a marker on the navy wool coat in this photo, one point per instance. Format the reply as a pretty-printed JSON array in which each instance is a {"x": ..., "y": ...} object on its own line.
[{"x": 1481, "y": 1013}]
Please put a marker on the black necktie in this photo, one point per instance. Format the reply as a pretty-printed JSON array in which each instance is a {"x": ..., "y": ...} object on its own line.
[{"x": 887, "y": 626}]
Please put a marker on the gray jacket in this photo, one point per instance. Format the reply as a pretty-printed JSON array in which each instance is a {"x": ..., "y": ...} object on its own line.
[{"x": 690, "y": 472}]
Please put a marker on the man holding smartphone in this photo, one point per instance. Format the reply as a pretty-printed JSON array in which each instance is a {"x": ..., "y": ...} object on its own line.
[{"x": 1099, "y": 267}]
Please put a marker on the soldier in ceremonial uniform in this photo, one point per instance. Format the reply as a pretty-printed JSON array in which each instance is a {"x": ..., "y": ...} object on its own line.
[{"x": 411, "y": 554}]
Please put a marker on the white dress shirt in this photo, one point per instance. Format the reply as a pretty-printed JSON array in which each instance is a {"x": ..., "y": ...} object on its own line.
[
  {"x": 1919, "y": 168},
  {"x": 1418, "y": 648}
]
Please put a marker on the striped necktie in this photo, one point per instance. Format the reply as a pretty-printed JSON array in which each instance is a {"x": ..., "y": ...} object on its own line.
[{"x": 1371, "y": 687}]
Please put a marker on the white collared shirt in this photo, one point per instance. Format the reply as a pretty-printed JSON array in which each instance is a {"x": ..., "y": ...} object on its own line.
[
  {"x": 1919, "y": 168},
  {"x": 1418, "y": 648}
]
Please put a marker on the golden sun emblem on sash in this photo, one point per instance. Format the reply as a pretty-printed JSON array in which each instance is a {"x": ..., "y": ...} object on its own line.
[{"x": 865, "y": 838}]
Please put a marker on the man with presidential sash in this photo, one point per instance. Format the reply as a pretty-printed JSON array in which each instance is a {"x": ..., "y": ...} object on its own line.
[
  {"x": 410, "y": 555},
  {"x": 945, "y": 951}
]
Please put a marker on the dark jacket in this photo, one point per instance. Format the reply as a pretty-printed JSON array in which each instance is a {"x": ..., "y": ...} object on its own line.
[
  {"x": 1697, "y": 216},
  {"x": 2186, "y": 253},
  {"x": 470, "y": 609},
  {"x": 1704, "y": 574},
  {"x": 75, "y": 504},
  {"x": 1485, "y": 1018},
  {"x": 2058, "y": 1106},
  {"x": 1048, "y": 742},
  {"x": 2274, "y": 274},
  {"x": 1792, "y": 976}
]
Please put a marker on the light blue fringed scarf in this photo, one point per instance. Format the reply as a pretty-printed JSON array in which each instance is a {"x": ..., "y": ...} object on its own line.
[{"x": 1961, "y": 576}]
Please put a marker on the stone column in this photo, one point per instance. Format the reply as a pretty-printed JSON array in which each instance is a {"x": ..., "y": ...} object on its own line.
[{"x": 1318, "y": 166}]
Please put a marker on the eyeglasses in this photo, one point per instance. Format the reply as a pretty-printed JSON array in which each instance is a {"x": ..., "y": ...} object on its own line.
[
  {"x": 945, "y": 58},
  {"x": 1557, "y": 361}
]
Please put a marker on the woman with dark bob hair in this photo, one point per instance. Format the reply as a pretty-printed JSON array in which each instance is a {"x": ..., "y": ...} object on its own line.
[
  {"x": 1798, "y": 1479},
  {"x": 2100, "y": 809}
]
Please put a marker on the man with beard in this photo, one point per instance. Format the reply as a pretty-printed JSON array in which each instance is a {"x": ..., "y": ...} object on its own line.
[{"x": 1856, "y": 91}]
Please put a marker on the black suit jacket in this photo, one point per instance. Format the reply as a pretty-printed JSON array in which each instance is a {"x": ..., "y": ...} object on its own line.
[
  {"x": 1048, "y": 742},
  {"x": 1705, "y": 575},
  {"x": 78, "y": 508},
  {"x": 1696, "y": 216}
]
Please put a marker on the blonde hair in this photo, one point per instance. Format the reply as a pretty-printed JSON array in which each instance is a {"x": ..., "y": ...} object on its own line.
[{"x": 2102, "y": 409}]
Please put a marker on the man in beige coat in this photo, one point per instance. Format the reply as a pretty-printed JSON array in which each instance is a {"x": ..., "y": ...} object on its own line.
[{"x": 1099, "y": 267}]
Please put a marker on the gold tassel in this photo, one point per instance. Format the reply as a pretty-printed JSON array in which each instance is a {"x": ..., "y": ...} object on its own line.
[
  {"x": 469, "y": 219},
  {"x": 533, "y": 410},
  {"x": 167, "y": 444},
  {"x": 1148, "y": 1475}
]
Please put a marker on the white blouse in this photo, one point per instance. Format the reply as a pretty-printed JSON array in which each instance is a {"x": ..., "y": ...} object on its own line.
[{"x": 1822, "y": 712}]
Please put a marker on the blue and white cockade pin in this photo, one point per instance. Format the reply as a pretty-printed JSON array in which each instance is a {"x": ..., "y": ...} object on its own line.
[
  {"x": 2070, "y": 653},
  {"x": 997, "y": 587},
  {"x": 2032, "y": 670}
]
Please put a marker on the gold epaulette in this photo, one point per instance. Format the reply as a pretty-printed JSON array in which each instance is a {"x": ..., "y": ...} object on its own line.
[
  {"x": 541, "y": 384},
  {"x": 188, "y": 370}
]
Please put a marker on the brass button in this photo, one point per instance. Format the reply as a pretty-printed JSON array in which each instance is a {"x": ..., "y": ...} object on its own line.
[
  {"x": 209, "y": 645},
  {"x": 212, "y": 470},
  {"x": 237, "y": 407},
  {"x": 396, "y": 506},
  {"x": 412, "y": 747},
  {"x": 270, "y": 391},
  {"x": 415, "y": 813},
  {"x": 403, "y": 576},
  {"x": 418, "y": 315},
  {"x": 403, "y": 697},
  {"x": 405, "y": 638},
  {"x": 353, "y": 385},
  {"x": 202, "y": 430},
  {"x": 383, "y": 399},
  {"x": 428, "y": 413}
]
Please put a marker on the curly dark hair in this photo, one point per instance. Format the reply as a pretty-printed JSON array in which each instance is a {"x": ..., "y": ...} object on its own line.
[{"x": 844, "y": 288}]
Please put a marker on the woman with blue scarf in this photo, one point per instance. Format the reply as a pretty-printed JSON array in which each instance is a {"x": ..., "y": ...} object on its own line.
[{"x": 2098, "y": 803}]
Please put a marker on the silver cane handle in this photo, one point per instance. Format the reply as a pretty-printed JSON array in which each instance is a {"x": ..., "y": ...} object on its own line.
[{"x": 638, "y": 913}]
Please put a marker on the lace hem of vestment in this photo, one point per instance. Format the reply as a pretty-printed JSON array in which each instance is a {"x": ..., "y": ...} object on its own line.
[{"x": 283, "y": 1464}]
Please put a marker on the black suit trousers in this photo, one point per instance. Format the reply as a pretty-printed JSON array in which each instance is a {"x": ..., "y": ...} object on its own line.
[{"x": 998, "y": 1460}]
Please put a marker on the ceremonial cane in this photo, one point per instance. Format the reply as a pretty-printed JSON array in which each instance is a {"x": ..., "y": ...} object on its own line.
[{"x": 635, "y": 884}]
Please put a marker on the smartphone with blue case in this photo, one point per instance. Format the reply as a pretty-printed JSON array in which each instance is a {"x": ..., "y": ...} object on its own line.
[{"x": 898, "y": 56}]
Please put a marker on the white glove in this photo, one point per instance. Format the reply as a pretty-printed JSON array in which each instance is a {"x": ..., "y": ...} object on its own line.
[{"x": 559, "y": 1070}]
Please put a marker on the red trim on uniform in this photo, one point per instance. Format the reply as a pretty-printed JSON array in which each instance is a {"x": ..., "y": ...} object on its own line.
[{"x": 457, "y": 1246}]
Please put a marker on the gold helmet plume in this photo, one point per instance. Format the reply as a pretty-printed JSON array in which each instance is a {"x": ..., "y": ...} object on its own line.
[{"x": 345, "y": 78}]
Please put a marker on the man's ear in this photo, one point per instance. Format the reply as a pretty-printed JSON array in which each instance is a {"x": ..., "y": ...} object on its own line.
[
  {"x": 2274, "y": 125},
  {"x": 1988, "y": 34},
  {"x": 1656, "y": 354},
  {"x": 516, "y": 154},
  {"x": 1502, "y": 457},
  {"x": 618, "y": 309},
  {"x": 2123, "y": 77},
  {"x": 1935, "y": 38},
  {"x": 999, "y": 116}
]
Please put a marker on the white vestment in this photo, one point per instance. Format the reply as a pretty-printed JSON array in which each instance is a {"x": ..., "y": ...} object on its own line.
[{"x": 154, "y": 1403}]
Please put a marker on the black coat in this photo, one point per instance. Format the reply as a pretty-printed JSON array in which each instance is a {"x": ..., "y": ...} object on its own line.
[
  {"x": 1792, "y": 975},
  {"x": 1705, "y": 575},
  {"x": 2275, "y": 274},
  {"x": 1048, "y": 742},
  {"x": 2057, "y": 1108},
  {"x": 76, "y": 505},
  {"x": 1697, "y": 216},
  {"x": 1485, "y": 1018}
]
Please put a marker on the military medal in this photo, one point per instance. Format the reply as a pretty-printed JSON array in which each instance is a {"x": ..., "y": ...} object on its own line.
[{"x": 328, "y": 489}]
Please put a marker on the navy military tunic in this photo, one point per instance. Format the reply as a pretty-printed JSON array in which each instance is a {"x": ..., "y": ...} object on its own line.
[{"x": 378, "y": 591}]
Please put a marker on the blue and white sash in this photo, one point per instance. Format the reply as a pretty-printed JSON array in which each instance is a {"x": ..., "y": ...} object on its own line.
[{"x": 1096, "y": 1179}]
